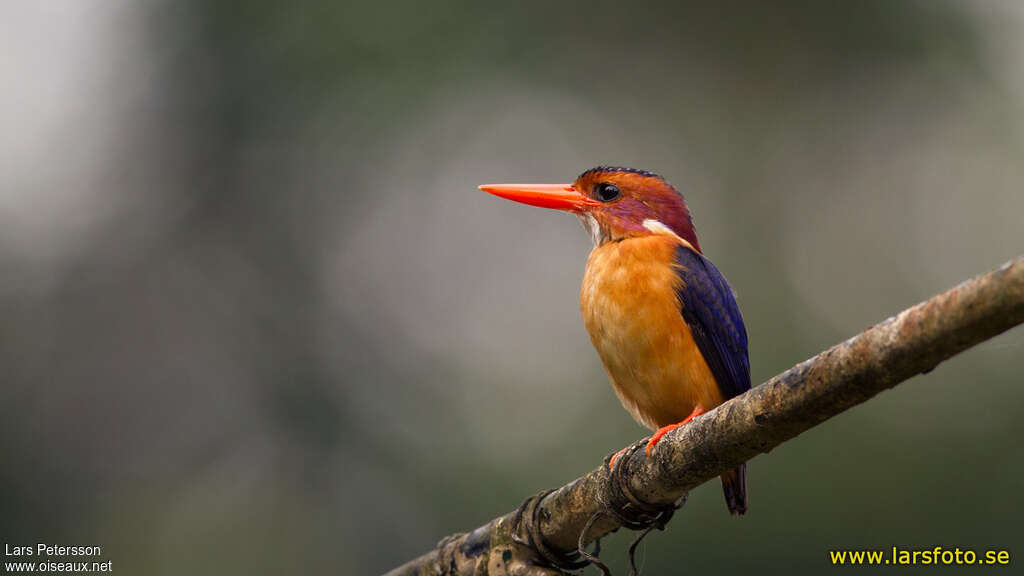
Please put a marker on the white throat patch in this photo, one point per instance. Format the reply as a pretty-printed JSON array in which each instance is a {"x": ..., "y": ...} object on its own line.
[{"x": 591, "y": 225}]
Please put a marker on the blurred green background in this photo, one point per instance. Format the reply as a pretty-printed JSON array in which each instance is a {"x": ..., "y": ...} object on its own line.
[{"x": 255, "y": 317}]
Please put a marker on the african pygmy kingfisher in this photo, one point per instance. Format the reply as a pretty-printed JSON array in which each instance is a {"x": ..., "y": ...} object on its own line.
[{"x": 662, "y": 317}]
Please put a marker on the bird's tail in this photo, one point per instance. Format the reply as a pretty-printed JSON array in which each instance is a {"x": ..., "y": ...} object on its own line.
[{"x": 734, "y": 485}]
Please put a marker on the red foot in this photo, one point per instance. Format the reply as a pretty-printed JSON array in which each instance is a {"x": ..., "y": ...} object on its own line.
[
  {"x": 611, "y": 463},
  {"x": 697, "y": 411}
]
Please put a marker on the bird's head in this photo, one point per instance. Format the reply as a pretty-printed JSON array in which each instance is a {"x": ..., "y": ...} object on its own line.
[{"x": 612, "y": 203}]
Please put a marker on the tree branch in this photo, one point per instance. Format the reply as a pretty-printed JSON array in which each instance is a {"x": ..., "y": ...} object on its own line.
[{"x": 913, "y": 342}]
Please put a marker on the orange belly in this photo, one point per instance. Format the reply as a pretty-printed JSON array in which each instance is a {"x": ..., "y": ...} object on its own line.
[{"x": 632, "y": 313}]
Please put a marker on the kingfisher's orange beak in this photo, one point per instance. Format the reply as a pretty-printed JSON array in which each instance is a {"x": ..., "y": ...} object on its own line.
[{"x": 557, "y": 196}]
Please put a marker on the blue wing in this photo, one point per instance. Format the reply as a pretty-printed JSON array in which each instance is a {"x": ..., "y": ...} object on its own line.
[{"x": 710, "y": 310}]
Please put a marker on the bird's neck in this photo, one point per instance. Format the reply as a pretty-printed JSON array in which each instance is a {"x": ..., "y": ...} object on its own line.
[
  {"x": 631, "y": 268},
  {"x": 602, "y": 234}
]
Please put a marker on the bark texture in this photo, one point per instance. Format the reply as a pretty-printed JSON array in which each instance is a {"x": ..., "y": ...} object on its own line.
[{"x": 912, "y": 342}]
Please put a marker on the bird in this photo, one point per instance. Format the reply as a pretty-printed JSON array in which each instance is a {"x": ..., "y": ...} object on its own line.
[{"x": 663, "y": 319}]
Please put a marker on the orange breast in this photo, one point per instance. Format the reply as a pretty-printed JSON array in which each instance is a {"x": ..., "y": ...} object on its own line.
[{"x": 632, "y": 313}]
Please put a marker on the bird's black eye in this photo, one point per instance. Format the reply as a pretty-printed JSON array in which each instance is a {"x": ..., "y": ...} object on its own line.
[{"x": 606, "y": 192}]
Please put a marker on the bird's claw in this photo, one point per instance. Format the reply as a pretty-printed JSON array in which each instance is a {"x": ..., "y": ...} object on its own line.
[
  {"x": 611, "y": 460},
  {"x": 628, "y": 451},
  {"x": 657, "y": 436},
  {"x": 697, "y": 411}
]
